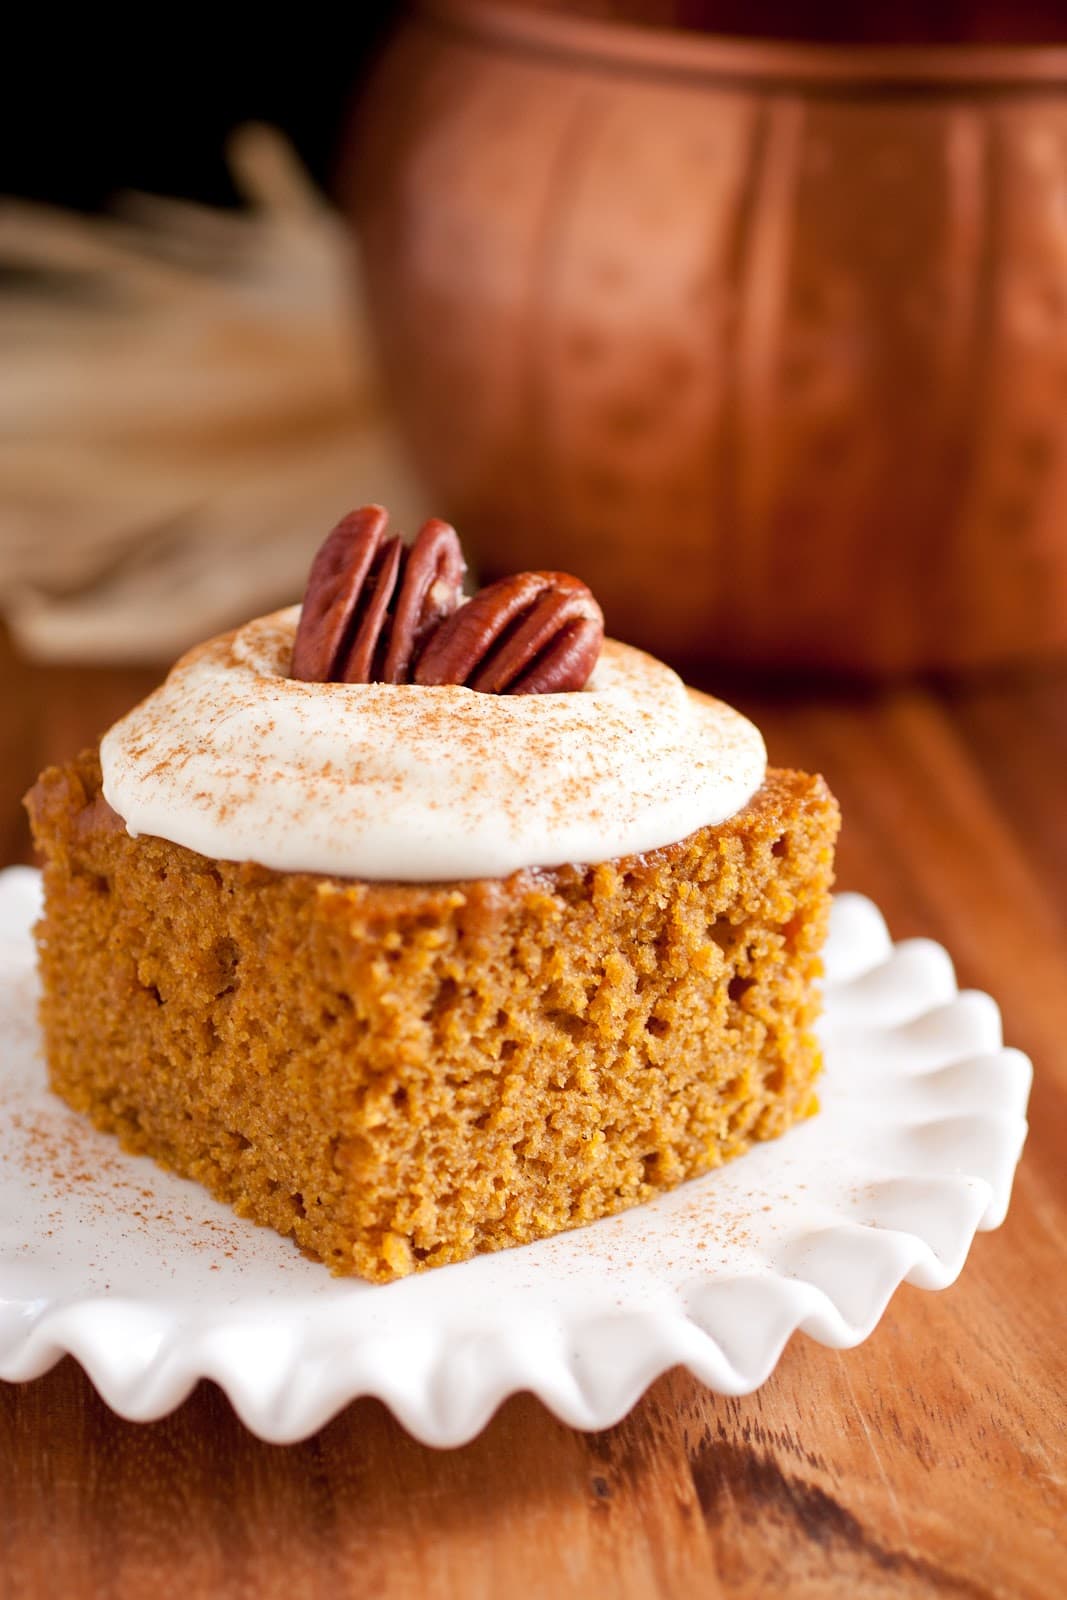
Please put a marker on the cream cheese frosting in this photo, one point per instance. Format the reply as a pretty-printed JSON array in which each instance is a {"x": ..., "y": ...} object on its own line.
[{"x": 234, "y": 759}]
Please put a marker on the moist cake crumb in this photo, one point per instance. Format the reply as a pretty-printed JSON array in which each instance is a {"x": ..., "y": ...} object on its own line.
[{"x": 400, "y": 1075}]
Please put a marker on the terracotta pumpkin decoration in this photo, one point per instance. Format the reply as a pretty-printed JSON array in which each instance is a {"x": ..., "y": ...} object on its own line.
[{"x": 767, "y": 341}]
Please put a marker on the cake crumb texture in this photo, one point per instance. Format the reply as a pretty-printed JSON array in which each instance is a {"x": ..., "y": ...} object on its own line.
[{"x": 404, "y": 1075}]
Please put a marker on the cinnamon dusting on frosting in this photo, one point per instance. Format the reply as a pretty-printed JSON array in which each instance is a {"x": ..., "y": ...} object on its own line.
[{"x": 233, "y": 758}]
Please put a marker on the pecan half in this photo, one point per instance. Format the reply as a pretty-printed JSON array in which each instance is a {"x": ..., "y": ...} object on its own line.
[
  {"x": 334, "y": 586},
  {"x": 371, "y": 601},
  {"x": 356, "y": 663},
  {"x": 430, "y": 590},
  {"x": 534, "y": 633}
]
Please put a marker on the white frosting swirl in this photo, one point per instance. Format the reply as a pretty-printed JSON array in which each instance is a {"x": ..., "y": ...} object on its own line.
[{"x": 232, "y": 758}]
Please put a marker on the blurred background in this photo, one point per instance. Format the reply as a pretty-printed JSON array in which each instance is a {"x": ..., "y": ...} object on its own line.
[{"x": 754, "y": 316}]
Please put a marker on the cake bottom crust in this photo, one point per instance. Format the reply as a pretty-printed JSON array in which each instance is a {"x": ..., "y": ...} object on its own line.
[{"x": 400, "y": 1075}]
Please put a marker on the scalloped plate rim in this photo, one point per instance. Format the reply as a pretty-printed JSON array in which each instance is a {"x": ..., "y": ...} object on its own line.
[{"x": 559, "y": 1358}]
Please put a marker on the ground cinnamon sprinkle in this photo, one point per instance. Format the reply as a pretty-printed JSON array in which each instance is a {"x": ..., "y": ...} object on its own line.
[
  {"x": 233, "y": 758},
  {"x": 65, "y": 1160}
]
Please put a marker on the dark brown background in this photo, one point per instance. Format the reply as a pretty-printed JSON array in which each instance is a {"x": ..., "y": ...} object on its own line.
[
  {"x": 930, "y": 1461},
  {"x": 109, "y": 105}
]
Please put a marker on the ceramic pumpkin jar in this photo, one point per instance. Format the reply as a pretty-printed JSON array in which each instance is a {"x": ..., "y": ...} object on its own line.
[{"x": 767, "y": 342}]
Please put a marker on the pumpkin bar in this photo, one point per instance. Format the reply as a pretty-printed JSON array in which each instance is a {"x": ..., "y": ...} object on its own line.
[
  {"x": 403, "y": 1075},
  {"x": 415, "y": 926}
]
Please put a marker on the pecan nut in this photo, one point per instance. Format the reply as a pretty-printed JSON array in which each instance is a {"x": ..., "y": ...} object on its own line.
[
  {"x": 533, "y": 633},
  {"x": 430, "y": 590},
  {"x": 371, "y": 601},
  {"x": 333, "y": 591}
]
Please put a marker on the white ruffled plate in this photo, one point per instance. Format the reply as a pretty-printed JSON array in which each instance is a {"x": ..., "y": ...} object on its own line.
[{"x": 151, "y": 1285}]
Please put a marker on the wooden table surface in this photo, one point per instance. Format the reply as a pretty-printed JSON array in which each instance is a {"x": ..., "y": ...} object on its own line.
[{"x": 930, "y": 1461}]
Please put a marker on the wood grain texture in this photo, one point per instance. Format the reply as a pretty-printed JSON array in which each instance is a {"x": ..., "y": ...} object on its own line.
[{"x": 930, "y": 1461}]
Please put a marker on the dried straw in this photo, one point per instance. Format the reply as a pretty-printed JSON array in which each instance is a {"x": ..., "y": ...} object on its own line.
[{"x": 188, "y": 402}]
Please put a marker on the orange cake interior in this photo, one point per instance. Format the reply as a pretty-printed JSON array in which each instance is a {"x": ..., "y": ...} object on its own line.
[{"x": 403, "y": 1075}]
